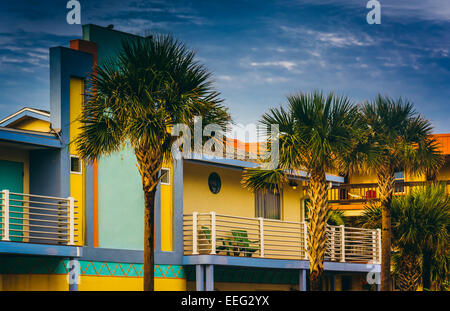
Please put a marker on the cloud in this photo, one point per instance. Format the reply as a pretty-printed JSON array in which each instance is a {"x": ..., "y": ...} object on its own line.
[
  {"x": 430, "y": 10},
  {"x": 224, "y": 78},
  {"x": 340, "y": 39},
  {"x": 289, "y": 65}
]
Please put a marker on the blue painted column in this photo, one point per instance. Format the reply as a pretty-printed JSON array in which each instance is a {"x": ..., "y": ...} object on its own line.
[
  {"x": 199, "y": 278},
  {"x": 158, "y": 219},
  {"x": 302, "y": 280},
  {"x": 209, "y": 278},
  {"x": 178, "y": 208}
]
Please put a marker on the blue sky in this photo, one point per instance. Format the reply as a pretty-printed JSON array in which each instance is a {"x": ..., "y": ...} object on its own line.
[{"x": 259, "y": 51}]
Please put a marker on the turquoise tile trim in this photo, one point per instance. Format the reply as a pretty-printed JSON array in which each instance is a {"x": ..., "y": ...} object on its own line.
[{"x": 40, "y": 265}]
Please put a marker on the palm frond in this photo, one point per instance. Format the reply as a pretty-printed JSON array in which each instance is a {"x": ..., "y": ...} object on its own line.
[{"x": 256, "y": 179}]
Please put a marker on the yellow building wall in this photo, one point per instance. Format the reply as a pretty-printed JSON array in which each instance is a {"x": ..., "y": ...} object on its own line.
[
  {"x": 232, "y": 199},
  {"x": 292, "y": 206},
  {"x": 167, "y": 212},
  {"x": 110, "y": 283},
  {"x": 363, "y": 179},
  {"x": 34, "y": 282},
  {"x": 444, "y": 172},
  {"x": 33, "y": 125},
  {"x": 77, "y": 181}
]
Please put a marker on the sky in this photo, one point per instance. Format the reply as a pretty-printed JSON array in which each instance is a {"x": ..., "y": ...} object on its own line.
[{"x": 258, "y": 51}]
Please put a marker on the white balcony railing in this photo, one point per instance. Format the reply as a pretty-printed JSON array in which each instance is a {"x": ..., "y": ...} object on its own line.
[
  {"x": 38, "y": 219},
  {"x": 215, "y": 234}
]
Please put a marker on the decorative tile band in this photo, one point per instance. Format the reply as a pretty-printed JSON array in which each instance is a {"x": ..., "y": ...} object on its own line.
[{"x": 38, "y": 265}]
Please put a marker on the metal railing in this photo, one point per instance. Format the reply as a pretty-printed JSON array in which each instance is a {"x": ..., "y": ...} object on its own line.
[
  {"x": 354, "y": 193},
  {"x": 30, "y": 218},
  {"x": 216, "y": 234}
]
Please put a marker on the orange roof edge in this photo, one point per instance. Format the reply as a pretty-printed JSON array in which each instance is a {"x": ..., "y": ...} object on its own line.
[{"x": 444, "y": 142}]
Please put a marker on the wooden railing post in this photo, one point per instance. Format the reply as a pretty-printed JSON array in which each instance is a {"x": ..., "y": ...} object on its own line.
[
  {"x": 342, "y": 243},
  {"x": 374, "y": 247},
  {"x": 379, "y": 245},
  {"x": 305, "y": 238},
  {"x": 333, "y": 249},
  {"x": 261, "y": 236},
  {"x": 71, "y": 221},
  {"x": 213, "y": 233},
  {"x": 5, "y": 215},
  {"x": 194, "y": 233}
]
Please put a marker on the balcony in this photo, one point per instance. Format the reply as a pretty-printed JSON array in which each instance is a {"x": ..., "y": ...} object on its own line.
[
  {"x": 360, "y": 193},
  {"x": 225, "y": 235},
  {"x": 37, "y": 220}
]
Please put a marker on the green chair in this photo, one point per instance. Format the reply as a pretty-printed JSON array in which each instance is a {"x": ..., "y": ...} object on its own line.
[
  {"x": 205, "y": 233},
  {"x": 241, "y": 243}
]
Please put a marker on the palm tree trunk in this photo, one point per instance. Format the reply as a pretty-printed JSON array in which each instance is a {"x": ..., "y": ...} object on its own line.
[
  {"x": 149, "y": 229},
  {"x": 317, "y": 214},
  {"x": 408, "y": 278},
  {"x": 149, "y": 164},
  {"x": 386, "y": 188},
  {"x": 426, "y": 269}
]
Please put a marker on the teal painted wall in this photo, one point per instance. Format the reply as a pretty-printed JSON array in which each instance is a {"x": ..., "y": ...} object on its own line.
[
  {"x": 120, "y": 202},
  {"x": 120, "y": 194},
  {"x": 11, "y": 178}
]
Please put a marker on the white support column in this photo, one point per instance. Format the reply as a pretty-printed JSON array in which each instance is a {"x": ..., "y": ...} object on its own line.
[
  {"x": 333, "y": 248},
  {"x": 302, "y": 280},
  {"x": 374, "y": 247},
  {"x": 342, "y": 243},
  {"x": 379, "y": 245},
  {"x": 199, "y": 278},
  {"x": 71, "y": 221},
  {"x": 209, "y": 276},
  {"x": 261, "y": 236},
  {"x": 5, "y": 215},
  {"x": 213, "y": 233},
  {"x": 305, "y": 238},
  {"x": 194, "y": 233}
]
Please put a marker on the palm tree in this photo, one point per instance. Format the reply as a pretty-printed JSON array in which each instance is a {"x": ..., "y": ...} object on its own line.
[
  {"x": 134, "y": 100},
  {"x": 401, "y": 140},
  {"x": 314, "y": 132},
  {"x": 420, "y": 232}
]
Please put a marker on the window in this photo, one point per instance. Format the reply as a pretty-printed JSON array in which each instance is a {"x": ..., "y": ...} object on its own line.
[
  {"x": 399, "y": 176},
  {"x": 165, "y": 179},
  {"x": 267, "y": 204},
  {"x": 343, "y": 192},
  {"x": 305, "y": 203},
  {"x": 75, "y": 164},
  {"x": 214, "y": 183}
]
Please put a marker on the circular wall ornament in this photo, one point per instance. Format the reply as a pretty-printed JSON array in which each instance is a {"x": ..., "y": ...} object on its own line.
[{"x": 214, "y": 183}]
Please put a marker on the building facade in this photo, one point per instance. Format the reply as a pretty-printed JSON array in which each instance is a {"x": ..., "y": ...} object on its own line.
[{"x": 69, "y": 225}]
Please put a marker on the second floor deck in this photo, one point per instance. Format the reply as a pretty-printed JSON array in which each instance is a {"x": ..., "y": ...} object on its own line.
[{"x": 227, "y": 235}]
